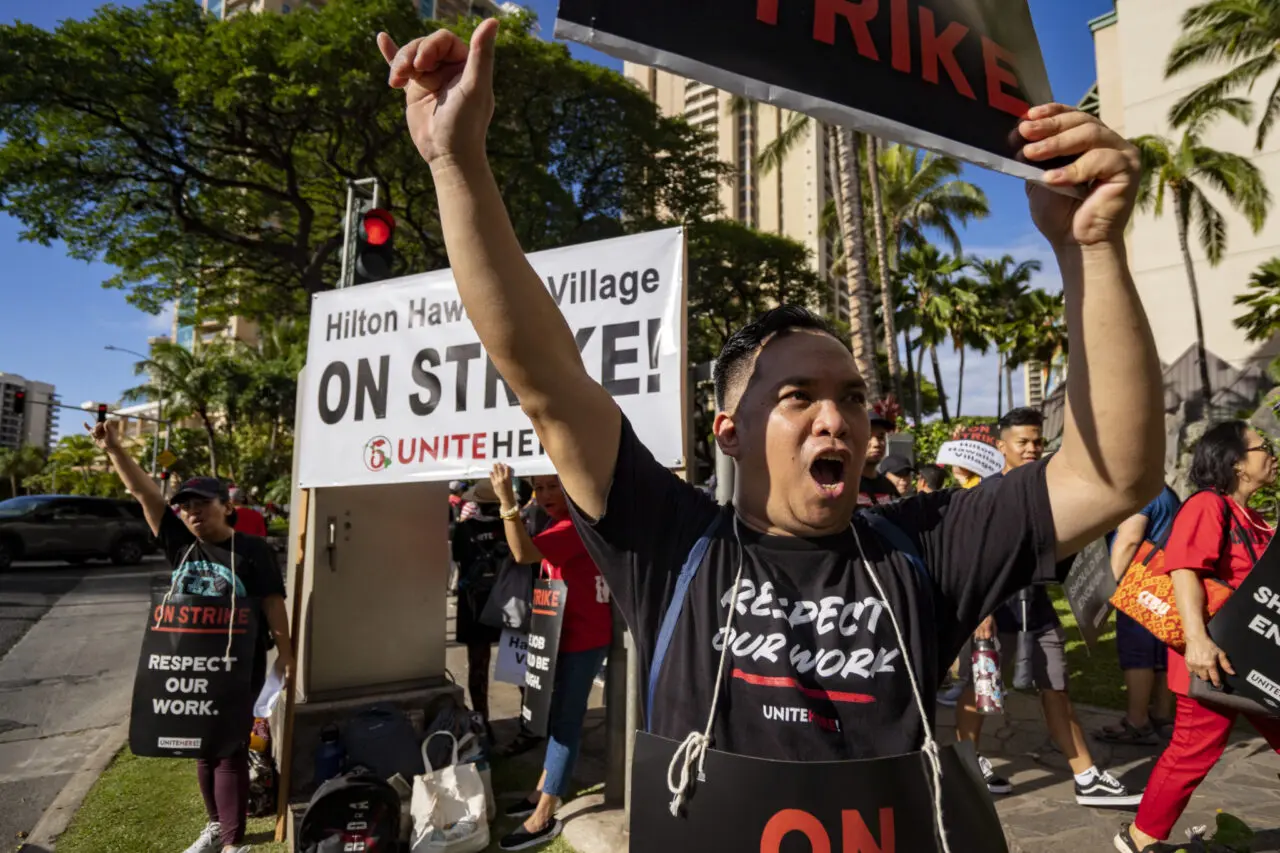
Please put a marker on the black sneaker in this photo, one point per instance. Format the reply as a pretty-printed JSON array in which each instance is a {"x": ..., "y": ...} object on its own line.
[
  {"x": 996, "y": 783},
  {"x": 1125, "y": 844},
  {"x": 522, "y": 838},
  {"x": 1105, "y": 791},
  {"x": 522, "y": 809}
]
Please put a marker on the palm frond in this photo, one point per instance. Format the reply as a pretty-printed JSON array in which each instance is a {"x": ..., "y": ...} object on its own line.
[
  {"x": 1213, "y": 228},
  {"x": 772, "y": 155},
  {"x": 1155, "y": 154},
  {"x": 1205, "y": 95},
  {"x": 736, "y": 104},
  {"x": 1238, "y": 179},
  {"x": 1270, "y": 112}
]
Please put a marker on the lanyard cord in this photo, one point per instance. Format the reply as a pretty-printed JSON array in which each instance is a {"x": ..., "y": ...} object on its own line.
[
  {"x": 694, "y": 748},
  {"x": 177, "y": 575}
]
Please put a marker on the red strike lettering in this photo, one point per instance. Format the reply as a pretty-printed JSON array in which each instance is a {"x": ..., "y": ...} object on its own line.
[
  {"x": 936, "y": 48},
  {"x": 857, "y": 837},
  {"x": 546, "y": 598},
  {"x": 999, "y": 66},
  {"x": 998, "y": 77},
  {"x": 857, "y": 14}
]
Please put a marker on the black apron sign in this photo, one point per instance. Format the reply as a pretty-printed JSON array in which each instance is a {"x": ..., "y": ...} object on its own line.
[
  {"x": 950, "y": 75},
  {"x": 546, "y": 620},
  {"x": 1247, "y": 628},
  {"x": 1089, "y": 587},
  {"x": 881, "y": 805},
  {"x": 189, "y": 700}
]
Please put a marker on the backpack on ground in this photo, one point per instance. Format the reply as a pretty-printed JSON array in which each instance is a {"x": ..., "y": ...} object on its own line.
[
  {"x": 381, "y": 739},
  {"x": 352, "y": 813}
]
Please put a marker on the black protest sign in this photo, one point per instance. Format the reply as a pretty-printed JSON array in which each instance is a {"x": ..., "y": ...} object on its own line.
[
  {"x": 190, "y": 698},
  {"x": 1247, "y": 628},
  {"x": 545, "y": 621},
  {"x": 882, "y": 805},
  {"x": 950, "y": 75},
  {"x": 1089, "y": 587}
]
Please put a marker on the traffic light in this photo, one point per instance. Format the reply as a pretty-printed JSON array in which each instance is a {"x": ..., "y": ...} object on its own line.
[
  {"x": 102, "y": 413},
  {"x": 19, "y": 402},
  {"x": 375, "y": 238}
]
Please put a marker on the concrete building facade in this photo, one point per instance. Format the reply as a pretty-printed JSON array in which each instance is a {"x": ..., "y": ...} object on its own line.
[
  {"x": 1133, "y": 96},
  {"x": 788, "y": 200},
  {"x": 36, "y": 424}
]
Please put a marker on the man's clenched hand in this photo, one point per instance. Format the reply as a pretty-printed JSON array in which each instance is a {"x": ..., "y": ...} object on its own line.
[{"x": 448, "y": 89}]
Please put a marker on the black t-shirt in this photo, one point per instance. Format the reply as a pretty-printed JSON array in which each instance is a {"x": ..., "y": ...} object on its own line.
[
  {"x": 816, "y": 672},
  {"x": 204, "y": 568},
  {"x": 873, "y": 491}
]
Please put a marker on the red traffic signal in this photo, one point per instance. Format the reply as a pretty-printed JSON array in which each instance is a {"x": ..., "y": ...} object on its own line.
[
  {"x": 19, "y": 402},
  {"x": 374, "y": 251},
  {"x": 102, "y": 413},
  {"x": 379, "y": 226}
]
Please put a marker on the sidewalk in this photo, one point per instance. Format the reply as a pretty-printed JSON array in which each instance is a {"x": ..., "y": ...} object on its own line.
[{"x": 1039, "y": 817}]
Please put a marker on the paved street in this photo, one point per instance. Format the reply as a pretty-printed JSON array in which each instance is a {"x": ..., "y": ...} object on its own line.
[{"x": 68, "y": 648}]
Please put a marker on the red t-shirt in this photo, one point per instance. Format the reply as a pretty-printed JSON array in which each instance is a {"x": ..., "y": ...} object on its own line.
[
  {"x": 1197, "y": 542},
  {"x": 250, "y": 521},
  {"x": 588, "y": 615}
]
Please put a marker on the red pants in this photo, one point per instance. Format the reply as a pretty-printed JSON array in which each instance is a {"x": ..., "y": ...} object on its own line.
[{"x": 1199, "y": 736}]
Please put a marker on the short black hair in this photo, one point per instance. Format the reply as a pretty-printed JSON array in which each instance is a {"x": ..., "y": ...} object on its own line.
[
  {"x": 934, "y": 477},
  {"x": 738, "y": 353},
  {"x": 1023, "y": 416},
  {"x": 1220, "y": 449}
]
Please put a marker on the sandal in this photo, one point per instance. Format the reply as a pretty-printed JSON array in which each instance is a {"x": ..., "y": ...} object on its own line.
[
  {"x": 1163, "y": 727},
  {"x": 524, "y": 742},
  {"x": 1126, "y": 732}
]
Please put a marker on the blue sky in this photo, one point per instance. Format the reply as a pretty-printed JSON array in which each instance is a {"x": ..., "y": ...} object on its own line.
[{"x": 59, "y": 317}]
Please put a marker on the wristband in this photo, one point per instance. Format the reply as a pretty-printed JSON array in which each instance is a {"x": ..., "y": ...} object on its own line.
[{"x": 509, "y": 514}]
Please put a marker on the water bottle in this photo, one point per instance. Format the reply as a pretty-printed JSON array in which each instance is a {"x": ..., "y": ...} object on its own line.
[
  {"x": 988, "y": 686},
  {"x": 329, "y": 755}
]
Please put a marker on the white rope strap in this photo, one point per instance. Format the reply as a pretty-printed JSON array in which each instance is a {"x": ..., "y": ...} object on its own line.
[
  {"x": 177, "y": 575},
  {"x": 231, "y": 624},
  {"x": 694, "y": 748},
  {"x": 931, "y": 751}
]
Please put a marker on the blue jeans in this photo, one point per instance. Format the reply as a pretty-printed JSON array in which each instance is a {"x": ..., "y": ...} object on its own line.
[{"x": 575, "y": 672}]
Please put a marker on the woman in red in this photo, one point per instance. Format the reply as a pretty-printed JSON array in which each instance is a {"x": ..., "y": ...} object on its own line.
[
  {"x": 1215, "y": 534},
  {"x": 584, "y": 642}
]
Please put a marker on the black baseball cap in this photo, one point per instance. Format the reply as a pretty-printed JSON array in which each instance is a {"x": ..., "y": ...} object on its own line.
[
  {"x": 880, "y": 420},
  {"x": 895, "y": 464},
  {"x": 201, "y": 487}
]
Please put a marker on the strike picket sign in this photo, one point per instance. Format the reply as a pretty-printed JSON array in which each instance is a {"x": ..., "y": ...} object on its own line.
[
  {"x": 191, "y": 699},
  {"x": 399, "y": 389}
]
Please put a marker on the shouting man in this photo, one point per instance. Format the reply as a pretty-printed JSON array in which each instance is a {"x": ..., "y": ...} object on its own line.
[{"x": 792, "y": 412}]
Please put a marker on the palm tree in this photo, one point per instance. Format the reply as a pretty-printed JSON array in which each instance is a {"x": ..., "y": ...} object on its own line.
[
  {"x": 1262, "y": 320},
  {"x": 1183, "y": 170},
  {"x": 1044, "y": 332},
  {"x": 844, "y": 171},
  {"x": 1246, "y": 32},
  {"x": 77, "y": 453},
  {"x": 191, "y": 381},
  {"x": 18, "y": 464},
  {"x": 937, "y": 296},
  {"x": 1003, "y": 282},
  {"x": 922, "y": 192},
  {"x": 882, "y": 263},
  {"x": 968, "y": 326}
]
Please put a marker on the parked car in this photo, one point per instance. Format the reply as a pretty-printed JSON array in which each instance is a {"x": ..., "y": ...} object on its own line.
[{"x": 73, "y": 528}]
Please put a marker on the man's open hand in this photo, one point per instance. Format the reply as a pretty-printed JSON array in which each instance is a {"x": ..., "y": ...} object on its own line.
[
  {"x": 1107, "y": 168},
  {"x": 448, "y": 89}
]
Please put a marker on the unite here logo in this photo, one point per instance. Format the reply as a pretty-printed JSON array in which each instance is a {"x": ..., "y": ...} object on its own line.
[
  {"x": 1153, "y": 603},
  {"x": 377, "y": 453}
]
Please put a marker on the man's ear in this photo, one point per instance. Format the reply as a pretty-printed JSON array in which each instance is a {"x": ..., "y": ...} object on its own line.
[{"x": 726, "y": 433}]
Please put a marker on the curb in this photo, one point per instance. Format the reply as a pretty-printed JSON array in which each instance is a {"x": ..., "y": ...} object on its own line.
[{"x": 56, "y": 818}]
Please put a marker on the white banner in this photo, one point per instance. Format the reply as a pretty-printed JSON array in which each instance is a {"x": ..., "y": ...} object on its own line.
[
  {"x": 513, "y": 654},
  {"x": 398, "y": 388}
]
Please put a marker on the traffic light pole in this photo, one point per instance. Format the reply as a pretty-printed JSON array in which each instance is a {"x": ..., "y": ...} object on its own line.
[{"x": 359, "y": 200}]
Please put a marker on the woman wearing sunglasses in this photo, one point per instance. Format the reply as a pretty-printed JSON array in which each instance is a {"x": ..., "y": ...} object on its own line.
[{"x": 1215, "y": 535}]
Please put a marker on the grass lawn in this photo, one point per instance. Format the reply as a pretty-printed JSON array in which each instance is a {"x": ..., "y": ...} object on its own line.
[
  {"x": 153, "y": 805},
  {"x": 1096, "y": 678}
]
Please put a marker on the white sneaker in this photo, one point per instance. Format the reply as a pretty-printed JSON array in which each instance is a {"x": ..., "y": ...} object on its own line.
[{"x": 210, "y": 840}]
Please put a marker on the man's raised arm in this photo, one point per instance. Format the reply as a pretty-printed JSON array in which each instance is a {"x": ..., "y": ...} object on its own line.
[
  {"x": 1112, "y": 457},
  {"x": 449, "y": 103}
]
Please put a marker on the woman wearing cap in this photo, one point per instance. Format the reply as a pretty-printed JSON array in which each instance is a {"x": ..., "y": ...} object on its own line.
[{"x": 210, "y": 558}]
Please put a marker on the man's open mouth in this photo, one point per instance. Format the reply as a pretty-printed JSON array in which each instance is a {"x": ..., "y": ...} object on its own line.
[{"x": 828, "y": 473}]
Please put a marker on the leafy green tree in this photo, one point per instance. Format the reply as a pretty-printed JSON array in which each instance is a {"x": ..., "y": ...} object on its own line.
[
  {"x": 18, "y": 464},
  {"x": 1003, "y": 282},
  {"x": 191, "y": 382},
  {"x": 923, "y": 192},
  {"x": 1245, "y": 33},
  {"x": 937, "y": 294},
  {"x": 1261, "y": 321},
  {"x": 207, "y": 160},
  {"x": 1183, "y": 170}
]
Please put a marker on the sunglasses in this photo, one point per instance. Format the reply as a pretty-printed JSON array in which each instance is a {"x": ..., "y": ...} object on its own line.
[{"x": 1266, "y": 447}]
